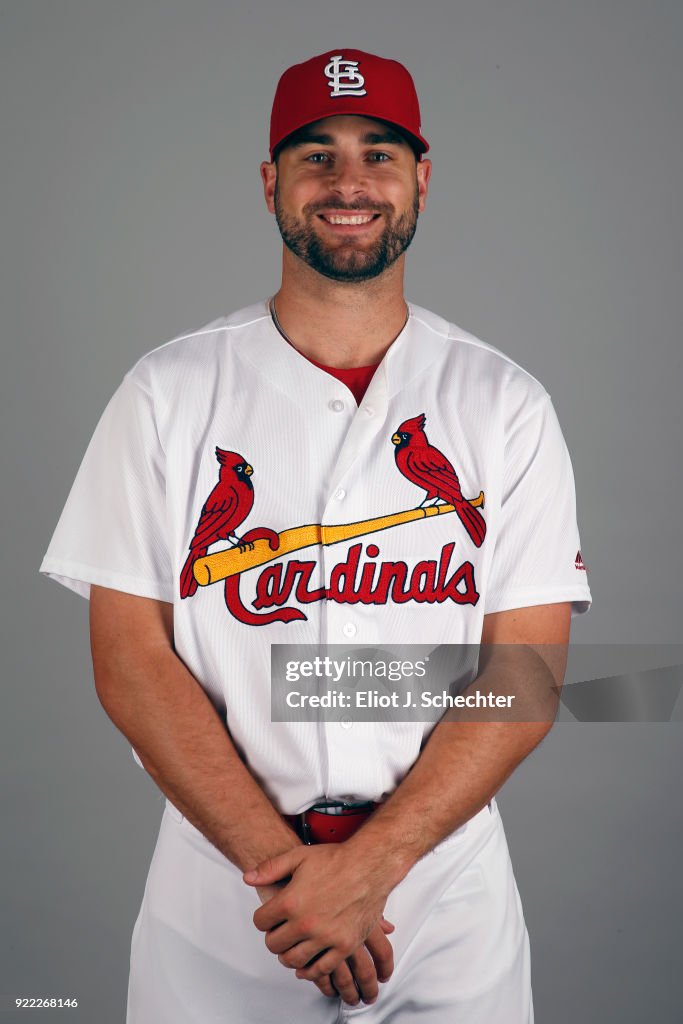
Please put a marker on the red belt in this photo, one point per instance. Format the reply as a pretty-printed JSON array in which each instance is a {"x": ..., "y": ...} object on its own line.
[{"x": 317, "y": 827}]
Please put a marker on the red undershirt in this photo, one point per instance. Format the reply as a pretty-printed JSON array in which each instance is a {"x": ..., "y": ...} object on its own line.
[{"x": 356, "y": 379}]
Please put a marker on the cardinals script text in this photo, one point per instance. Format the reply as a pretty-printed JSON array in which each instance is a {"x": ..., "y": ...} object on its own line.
[{"x": 351, "y": 582}]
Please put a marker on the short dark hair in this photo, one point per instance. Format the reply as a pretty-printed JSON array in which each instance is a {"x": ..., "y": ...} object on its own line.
[{"x": 294, "y": 136}]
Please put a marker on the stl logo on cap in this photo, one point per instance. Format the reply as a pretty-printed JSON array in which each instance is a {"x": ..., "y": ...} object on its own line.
[{"x": 344, "y": 78}]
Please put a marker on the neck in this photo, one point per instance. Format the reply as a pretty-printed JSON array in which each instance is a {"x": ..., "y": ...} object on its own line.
[{"x": 339, "y": 324}]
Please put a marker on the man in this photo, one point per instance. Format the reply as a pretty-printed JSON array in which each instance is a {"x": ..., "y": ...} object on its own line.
[{"x": 334, "y": 465}]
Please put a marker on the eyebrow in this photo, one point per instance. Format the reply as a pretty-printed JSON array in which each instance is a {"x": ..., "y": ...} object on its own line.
[{"x": 369, "y": 139}]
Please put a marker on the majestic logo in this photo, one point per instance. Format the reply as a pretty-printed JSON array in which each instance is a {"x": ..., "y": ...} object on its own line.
[
  {"x": 359, "y": 578},
  {"x": 344, "y": 78},
  {"x": 578, "y": 562}
]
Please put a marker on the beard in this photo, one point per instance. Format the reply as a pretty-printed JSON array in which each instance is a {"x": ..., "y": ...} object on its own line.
[{"x": 347, "y": 260}]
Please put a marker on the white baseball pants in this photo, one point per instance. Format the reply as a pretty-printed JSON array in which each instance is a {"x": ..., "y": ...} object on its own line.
[{"x": 461, "y": 947}]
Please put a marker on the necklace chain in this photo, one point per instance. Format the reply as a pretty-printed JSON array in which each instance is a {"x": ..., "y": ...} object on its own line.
[
  {"x": 273, "y": 313},
  {"x": 277, "y": 323}
]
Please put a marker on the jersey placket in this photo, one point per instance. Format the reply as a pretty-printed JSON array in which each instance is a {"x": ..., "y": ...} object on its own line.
[{"x": 350, "y": 746}]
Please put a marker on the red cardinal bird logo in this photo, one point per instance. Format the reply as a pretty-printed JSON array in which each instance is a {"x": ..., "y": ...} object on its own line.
[
  {"x": 424, "y": 465},
  {"x": 225, "y": 509}
]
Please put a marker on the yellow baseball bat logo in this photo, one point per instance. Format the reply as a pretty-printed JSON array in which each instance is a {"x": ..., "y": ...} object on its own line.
[{"x": 221, "y": 564}]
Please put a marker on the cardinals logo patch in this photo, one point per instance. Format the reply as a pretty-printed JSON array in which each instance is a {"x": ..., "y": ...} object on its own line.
[
  {"x": 225, "y": 509},
  {"x": 352, "y": 580},
  {"x": 427, "y": 467}
]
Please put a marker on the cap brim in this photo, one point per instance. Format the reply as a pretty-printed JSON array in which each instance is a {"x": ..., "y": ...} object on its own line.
[{"x": 417, "y": 142}]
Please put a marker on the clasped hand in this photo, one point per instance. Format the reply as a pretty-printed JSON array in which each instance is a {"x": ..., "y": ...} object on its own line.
[{"x": 325, "y": 921}]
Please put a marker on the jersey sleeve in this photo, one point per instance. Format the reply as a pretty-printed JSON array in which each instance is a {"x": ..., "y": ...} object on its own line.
[
  {"x": 113, "y": 529},
  {"x": 537, "y": 557}
]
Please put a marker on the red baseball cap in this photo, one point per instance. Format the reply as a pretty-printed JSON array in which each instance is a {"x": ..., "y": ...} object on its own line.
[{"x": 346, "y": 82}]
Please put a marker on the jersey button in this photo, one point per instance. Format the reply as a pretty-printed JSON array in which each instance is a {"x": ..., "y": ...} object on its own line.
[
  {"x": 348, "y": 629},
  {"x": 341, "y": 494},
  {"x": 369, "y": 411},
  {"x": 336, "y": 405}
]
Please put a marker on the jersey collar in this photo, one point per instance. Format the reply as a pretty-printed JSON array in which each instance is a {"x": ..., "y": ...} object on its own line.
[{"x": 419, "y": 344}]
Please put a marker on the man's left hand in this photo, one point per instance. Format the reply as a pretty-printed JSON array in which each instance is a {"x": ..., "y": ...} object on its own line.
[{"x": 327, "y": 909}]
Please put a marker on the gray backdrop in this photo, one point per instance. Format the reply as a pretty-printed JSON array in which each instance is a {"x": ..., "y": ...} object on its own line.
[{"x": 132, "y": 212}]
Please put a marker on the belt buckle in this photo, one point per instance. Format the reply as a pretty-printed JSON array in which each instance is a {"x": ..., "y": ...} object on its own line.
[
  {"x": 320, "y": 805},
  {"x": 305, "y": 829}
]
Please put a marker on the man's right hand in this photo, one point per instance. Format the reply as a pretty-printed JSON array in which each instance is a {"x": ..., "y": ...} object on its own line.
[
  {"x": 185, "y": 746},
  {"x": 357, "y": 979}
]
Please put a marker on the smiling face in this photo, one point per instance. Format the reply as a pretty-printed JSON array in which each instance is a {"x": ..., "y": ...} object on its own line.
[{"x": 346, "y": 192}]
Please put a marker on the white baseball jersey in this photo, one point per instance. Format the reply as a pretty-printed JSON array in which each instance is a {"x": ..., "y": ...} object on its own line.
[{"x": 229, "y": 433}]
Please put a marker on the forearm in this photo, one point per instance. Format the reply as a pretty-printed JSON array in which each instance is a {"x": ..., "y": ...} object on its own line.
[
  {"x": 463, "y": 764},
  {"x": 165, "y": 714}
]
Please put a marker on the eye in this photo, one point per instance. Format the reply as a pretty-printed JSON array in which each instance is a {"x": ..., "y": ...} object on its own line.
[
  {"x": 312, "y": 157},
  {"x": 385, "y": 155}
]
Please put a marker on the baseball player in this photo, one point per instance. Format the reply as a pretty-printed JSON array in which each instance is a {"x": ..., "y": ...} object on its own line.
[{"x": 329, "y": 465}]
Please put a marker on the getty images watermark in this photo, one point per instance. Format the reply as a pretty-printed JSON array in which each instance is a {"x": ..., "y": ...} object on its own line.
[
  {"x": 502, "y": 682},
  {"x": 363, "y": 670}
]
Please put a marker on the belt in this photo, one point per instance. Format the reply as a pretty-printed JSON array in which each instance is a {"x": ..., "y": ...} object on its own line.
[{"x": 316, "y": 826}]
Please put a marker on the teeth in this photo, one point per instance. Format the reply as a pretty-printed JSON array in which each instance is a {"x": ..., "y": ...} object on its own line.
[{"x": 350, "y": 220}]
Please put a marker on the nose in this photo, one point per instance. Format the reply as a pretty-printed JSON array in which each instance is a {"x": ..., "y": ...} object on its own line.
[{"x": 348, "y": 176}]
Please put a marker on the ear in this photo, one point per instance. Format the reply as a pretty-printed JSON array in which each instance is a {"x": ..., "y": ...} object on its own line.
[
  {"x": 269, "y": 177},
  {"x": 424, "y": 172}
]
